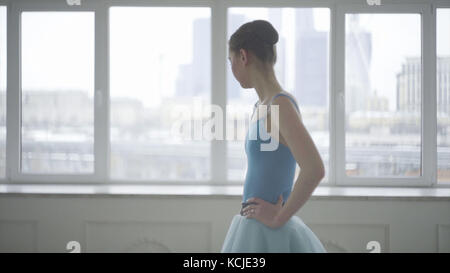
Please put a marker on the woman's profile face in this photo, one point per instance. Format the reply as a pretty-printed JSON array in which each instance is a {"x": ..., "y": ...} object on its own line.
[{"x": 238, "y": 63}]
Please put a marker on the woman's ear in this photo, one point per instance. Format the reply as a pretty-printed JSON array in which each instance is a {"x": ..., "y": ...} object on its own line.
[{"x": 243, "y": 55}]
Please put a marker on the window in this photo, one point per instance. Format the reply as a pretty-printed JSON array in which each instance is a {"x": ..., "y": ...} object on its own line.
[
  {"x": 443, "y": 93},
  {"x": 119, "y": 93},
  {"x": 2, "y": 91},
  {"x": 383, "y": 95},
  {"x": 160, "y": 63},
  {"x": 302, "y": 67},
  {"x": 57, "y": 85}
]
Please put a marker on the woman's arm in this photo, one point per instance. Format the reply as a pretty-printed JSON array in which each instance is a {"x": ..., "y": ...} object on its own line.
[
  {"x": 303, "y": 188},
  {"x": 305, "y": 153}
]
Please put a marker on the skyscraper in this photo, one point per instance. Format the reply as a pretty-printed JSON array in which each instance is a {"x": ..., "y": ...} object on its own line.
[
  {"x": 358, "y": 52},
  {"x": 192, "y": 80},
  {"x": 311, "y": 64}
]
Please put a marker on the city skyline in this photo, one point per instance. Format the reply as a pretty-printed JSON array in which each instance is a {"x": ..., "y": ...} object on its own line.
[{"x": 64, "y": 77}]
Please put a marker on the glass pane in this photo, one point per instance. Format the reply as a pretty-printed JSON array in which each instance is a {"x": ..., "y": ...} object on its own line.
[
  {"x": 383, "y": 94},
  {"x": 2, "y": 91},
  {"x": 57, "y": 92},
  {"x": 302, "y": 69},
  {"x": 443, "y": 93},
  {"x": 155, "y": 72}
]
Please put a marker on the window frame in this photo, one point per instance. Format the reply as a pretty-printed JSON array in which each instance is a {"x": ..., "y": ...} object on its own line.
[
  {"x": 14, "y": 94},
  {"x": 219, "y": 11},
  {"x": 441, "y": 4},
  {"x": 4, "y": 179},
  {"x": 427, "y": 119},
  {"x": 216, "y": 148}
]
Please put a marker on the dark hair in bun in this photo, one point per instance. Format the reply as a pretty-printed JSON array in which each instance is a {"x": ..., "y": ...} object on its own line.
[{"x": 258, "y": 36}]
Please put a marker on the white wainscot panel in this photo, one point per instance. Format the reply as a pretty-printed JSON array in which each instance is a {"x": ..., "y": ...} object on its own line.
[
  {"x": 18, "y": 236},
  {"x": 444, "y": 238},
  {"x": 130, "y": 236},
  {"x": 353, "y": 237}
]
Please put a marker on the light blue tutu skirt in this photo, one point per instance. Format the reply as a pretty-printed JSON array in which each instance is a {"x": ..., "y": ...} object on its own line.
[{"x": 250, "y": 235}]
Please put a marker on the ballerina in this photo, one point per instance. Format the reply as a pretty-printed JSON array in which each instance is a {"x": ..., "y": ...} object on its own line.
[{"x": 267, "y": 222}]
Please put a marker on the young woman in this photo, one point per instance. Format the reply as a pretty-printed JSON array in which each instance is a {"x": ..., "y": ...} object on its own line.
[{"x": 267, "y": 222}]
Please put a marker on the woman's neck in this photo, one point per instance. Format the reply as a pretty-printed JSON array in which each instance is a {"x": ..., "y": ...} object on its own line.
[{"x": 266, "y": 85}]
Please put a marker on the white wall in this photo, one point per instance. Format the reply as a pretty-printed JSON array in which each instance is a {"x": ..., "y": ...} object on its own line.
[{"x": 46, "y": 222}]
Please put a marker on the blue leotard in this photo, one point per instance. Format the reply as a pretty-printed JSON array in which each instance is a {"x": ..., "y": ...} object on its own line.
[{"x": 269, "y": 173}]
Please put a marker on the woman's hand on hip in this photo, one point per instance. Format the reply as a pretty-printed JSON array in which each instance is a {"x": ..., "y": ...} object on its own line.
[{"x": 264, "y": 211}]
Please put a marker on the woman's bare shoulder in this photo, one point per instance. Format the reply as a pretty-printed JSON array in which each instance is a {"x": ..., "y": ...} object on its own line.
[{"x": 296, "y": 106}]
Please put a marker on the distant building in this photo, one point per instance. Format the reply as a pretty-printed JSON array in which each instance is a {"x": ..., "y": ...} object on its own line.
[
  {"x": 40, "y": 108},
  {"x": 409, "y": 86},
  {"x": 192, "y": 80},
  {"x": 358, "y": 52},
  {"x": 311, "y": 64},
  {"x": 377, "y": 103}
]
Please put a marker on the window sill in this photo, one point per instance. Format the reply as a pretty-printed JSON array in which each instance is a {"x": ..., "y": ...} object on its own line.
[{"x": 232, "y": 191}]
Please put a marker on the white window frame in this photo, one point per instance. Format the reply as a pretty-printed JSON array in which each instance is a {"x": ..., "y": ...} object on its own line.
[
  {"x": 427, "y": 116},
  {"x": 13, "y": 154},
  {"x": 219, "y": 9},
  {"x": 437, "y": 5},
  {"x": 218, "y": 147},
  {"x": 4, "y": 179}
]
